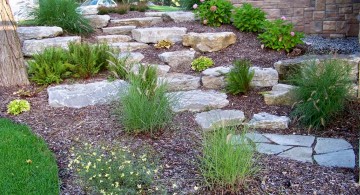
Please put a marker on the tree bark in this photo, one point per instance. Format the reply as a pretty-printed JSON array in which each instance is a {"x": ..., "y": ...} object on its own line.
[{"x": 12, "y": 64}]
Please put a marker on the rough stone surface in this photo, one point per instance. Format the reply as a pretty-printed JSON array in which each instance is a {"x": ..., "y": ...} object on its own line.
[
  {"x": 140, "y": 22},
  {"x": 291, "y": 140},
  {"x": 209, "y": 42},
  {"x": 129, "y": 46},
  {"x": 113, "y": 38},
  {"x": 98, "y": 21},
  {"x": 38, "y": 32},
  {"x": 154, "y": 14},
  {"x": 81, "y": 95},
  {"x": 156, "y": 34},
  {"x": 326, "y": 145},
  {"x": 212, "y": 82},
  {"x": 280, "y": 94},
  {"x": 132, "y": 57},
  {"x": 118, "y": 30},
  {"x": 198, "y": 100},
  {"x": 180, "y": 82},
  {"x": 265, "y": 148},
  {"x": 303, "y": 154},
  {"x": 217, "y": 71},
  {"x": 344, "y": 158},
  {"x": 265, "y": 120},
  {"x": 161, "y": 70},
  {"x": 257, "y": 137},
  {"x": 264, "y": 77},
  {"x": 178, "y": 60},
  {"x": 286, "y": 67},
  {"x": 31, "y": 47},
  {"x": 178, "y": 16},
  {"x": 219, "y": 118}
]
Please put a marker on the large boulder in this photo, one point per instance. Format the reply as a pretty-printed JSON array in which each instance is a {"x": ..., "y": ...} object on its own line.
[
  {"x": 180, "y": 82},
  {"x": 281, "y": 94},
  {"x": 156, "y": 34},
  {"x": 219, "y": 118},
  {"x": 118, "y": 30},
  {"x": 178, "y": 60},
  {"x": 213, "y": 82},
  {"x": 178, "y": 16},
  {"x": 140, "y": 22},
  {"x": 209, "y": 42},
  {"x": 264, "y": 77},
  {"x": 98, "y": 21},
  {"x": 31, "y": 47},
  {"x": 113, "y": 38},
  {"x": 38, "y": 32},
  {"x": 128, "y": 46}
]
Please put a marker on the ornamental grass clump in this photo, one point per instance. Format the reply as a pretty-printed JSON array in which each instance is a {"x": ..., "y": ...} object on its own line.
[
  {"x": 321, "y": 93},
  {"x": 249, "y": 19},
  {"x": 239, "y": 78},
  {"x": 214, "y": 12}
]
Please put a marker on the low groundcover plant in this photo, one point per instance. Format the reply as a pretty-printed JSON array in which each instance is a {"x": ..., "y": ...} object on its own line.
[
  {"x": 16, "y": 107},
  {"x": 201, "y": 63}
]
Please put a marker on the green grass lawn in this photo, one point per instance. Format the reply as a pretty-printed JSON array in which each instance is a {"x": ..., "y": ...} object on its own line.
[
  {"x": 164, "y": 8},
  {"x": 27, "y": 166}
]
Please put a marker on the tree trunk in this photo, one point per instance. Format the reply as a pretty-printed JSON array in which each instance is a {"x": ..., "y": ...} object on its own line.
[{"x": 12, "y": 64}]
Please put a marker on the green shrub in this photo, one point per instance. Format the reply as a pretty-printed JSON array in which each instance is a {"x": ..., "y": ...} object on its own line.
[
  {"x": 105, "y": 170},
  {"x": 27, "y": 166},
  {"x": 321, "y": 93},
  {"x": 214, "y": 12},
  {"x": 248, "y": 19},
  {"x": 140, "y": 6},
  {"x": 51, "y": 66},
  {"x": 188, "y": 4},
  {"x": 239, "y": 78},
  {"x": 16, "y": 107},
  {"x": 224, "y": 164},
  {"x": 279, "y": 34},
  {"x": 117, "y": 66},
  {"x": 201, "y": 63},
  {"x": 62, "y": 13},
  {"x": 145, "y": 107}
]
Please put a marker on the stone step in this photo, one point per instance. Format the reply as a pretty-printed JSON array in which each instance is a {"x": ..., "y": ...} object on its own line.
[
  {"x": 265, "y": 120},
  {"x": 178, "y": 16},
  {"x": 113, "y": 38},
  {"x": 128, "y": 46},
  {"x": 209, "y": 42},
  {"x": 156, "y": 34},
  {"x": 153, "y": 14},
  {"x": 98, "y": 21},
  {"x": 118, "y": 30},
  {"x": 264, "y": 77},
  {"x": 139, "y": 22},
  {"x": 178, "y": 60},
  {"x": 180, "y": 82},
  {"x": 280, "y": 94},
  {"x": 161, "y": 70},
  {"x": 131, "y": 57},
  {"x": 219, "y": 118},
  {"x": 38, "y": 32}
]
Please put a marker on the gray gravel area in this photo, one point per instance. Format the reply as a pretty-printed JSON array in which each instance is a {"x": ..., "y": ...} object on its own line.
[{"x": 321, "y": 45}]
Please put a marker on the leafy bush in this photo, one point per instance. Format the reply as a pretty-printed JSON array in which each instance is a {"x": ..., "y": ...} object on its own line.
[
  {"x": 140, "y": 6},
  {"x": 239, "y": 78},
  {"x": 224, "y": 164},
  {"x": 163, "y": 44},
  {"x": 188, "y": 4},
  {"x": 145, "y": 107},
  {"x": 279, "y": 34},
  {"x": 248, "y": 19},
  {"x": 119, "y": 9},
  {"x": 214, "y": 12},
  {"x": 321, "y": 93},
  {"x": 16, "y": 107},
  {"x": 27, "y": 166},
  {"x": 105, "y": 170},
  {"x": 62, "y": 13},
  {"x": 201, "y": 63}
]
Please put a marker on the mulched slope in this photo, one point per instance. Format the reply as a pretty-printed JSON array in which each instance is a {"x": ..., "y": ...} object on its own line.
[{"x": 179, "y": 145}]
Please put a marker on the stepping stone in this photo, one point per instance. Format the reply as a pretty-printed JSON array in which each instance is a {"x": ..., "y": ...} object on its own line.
[
  {"x": 153, "y": 14},
  {"x": 81, "y": 95},
  {"x": 217, "y": 71},
  {"x": 281, "y": 94},
  {"x": 257, "y": 137},
  {"x": 326, "y": 145},
  {"x": 344, "y": 158},
  {"x": 118, "y": 30},
  {"x": 180, "y": 82},
  {"x": 98, "y": 21},
  {"x": 161, "y": 70},
  {"x": 129, "y": 46},
  {"x": 178, "y": 16},
  {"x": 139, "y": 22},
  {"x": 265, "y": 120},
  {"x": 212, "y": 82},
  {"x": 38, "y": 32},
  {"x": 264, "y": 77},
  {"x": 156, "y": 34},
  {"x": 265, "y": 148},
  {"x": 303, "y": 154},
  {"x": 198, "y": 100},
  {"x": 219, "y": 118},
  {"x": 113, "y": 38},
  {"x": 209, "y": 42},
  {"x": 132, "y": 57},
  {"x": 178, "y": 60},
  {"x": 31, "y": 47},
  {"x": 291, "y": 140}
]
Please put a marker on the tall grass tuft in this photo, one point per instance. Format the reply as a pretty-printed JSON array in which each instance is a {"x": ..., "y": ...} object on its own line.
[
  {"x": 62, "y": 13},
  {"x": 321, "y": 93},
  {"x": 239, "y": 78}
]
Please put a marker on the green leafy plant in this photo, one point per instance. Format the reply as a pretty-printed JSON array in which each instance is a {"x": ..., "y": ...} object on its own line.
[
  {"x": 61, "y": 13},
  {"x": 248, "y": 19},
  {"x": 239, "y": 78},
  {"x": 163, "y": 44},
  {"x": 188, "y": 4},
  {"x": 224, "y": 164},
  {"x": 214, "y": 12},
  {"x": 117, "y": 66},
  {"x": 16, "y": 107},
  {"x": 201, "y": 63},
  {"x": 140, "y": 6},
  {"x": 119, "y": 9},
  {"x": 110, "y": 170},
  {"x": 279, "y": 34},
  {"x": 321, "y": 93}
]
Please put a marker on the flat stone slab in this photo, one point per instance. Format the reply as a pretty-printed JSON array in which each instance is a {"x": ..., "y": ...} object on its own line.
[
  {"x": 265, "y": 120},
  {"x": 212, "y": 82},
  {"x": 291, "y": 140},
  {"x": 131, "y": 57},
  {"x": 264, "y": 77},
  {"x": 209, "y": 42},
  {"x": 118, "y": 30},
  {"x": 265, "y": 148},
  {"x": 303, "y": 154},
  {"x": 178, "y": 60},
  {"x": 219, "y": 118},
  {"x": 257, "y": 137},
  {"x": 198, "y": 100},
  {"x": 326, "y": 145},
  {"x": 113, "y": 38},
  {"x": 81, "y": 95},
  {"x": 178, "y": 16},
  {"x": 153, "y": 14},
  {"x": 280, "y": 94},
  {"x": 217, "y": 71},
  {"x": 139, "y": 22},
  {"x": 31, "y": 47},
  {"x": 98, "y": 21},
  {"x": 156, "y": 34},
  {"x": 38, "y": 32},
  {"x": 180, "y": 82},
  {"x": 129, "y": 46},
  {"x": 344, "y": 158}
]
